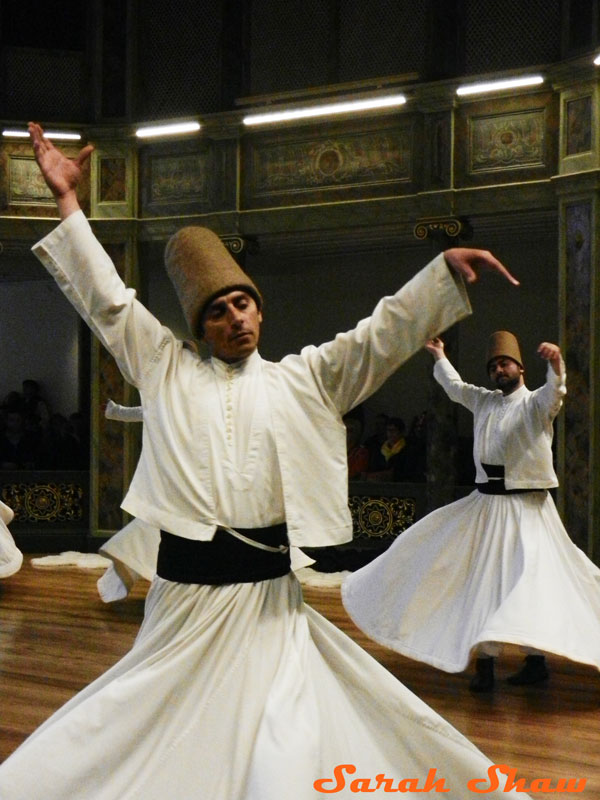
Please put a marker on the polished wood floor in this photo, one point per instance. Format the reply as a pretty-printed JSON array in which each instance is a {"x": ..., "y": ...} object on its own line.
[{"x": 56, "y": 636}]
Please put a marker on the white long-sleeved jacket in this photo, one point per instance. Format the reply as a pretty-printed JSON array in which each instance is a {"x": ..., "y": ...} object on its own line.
[
  {"x": 514, "y": 430},
  {"x": 173, "y": 486}
]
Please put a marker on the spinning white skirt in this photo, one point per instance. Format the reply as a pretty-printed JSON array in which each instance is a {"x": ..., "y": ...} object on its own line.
[
  {"x": 485, "y": 569},
  {"x": 11, "y": 557},
  {"x": 239, "y": 692}
]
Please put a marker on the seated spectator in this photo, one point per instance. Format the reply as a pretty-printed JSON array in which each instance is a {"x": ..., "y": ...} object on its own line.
[
  {"x": 358, "y": 455},
  {"x": 392, "y": 451},
  {"x": 19, "y": 449},
  {"x": 60, "y": 450},
  {"x": 413, "y": 466},
  {"x": 33, "y": 403},
  {"x": 374, "y": 442}
]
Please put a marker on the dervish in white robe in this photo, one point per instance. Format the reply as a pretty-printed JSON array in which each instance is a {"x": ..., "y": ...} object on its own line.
[
  {"x": 489, "y": 568},
  {"x": 240, "y": 691},
  {"x": 11, "y": 557}
]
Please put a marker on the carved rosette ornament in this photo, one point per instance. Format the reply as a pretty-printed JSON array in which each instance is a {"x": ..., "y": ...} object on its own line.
[
  {"x": 381, "y": 517},
  {"x": 51, "y": 502}
]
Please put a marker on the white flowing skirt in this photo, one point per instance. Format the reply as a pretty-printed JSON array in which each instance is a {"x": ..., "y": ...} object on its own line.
[
  {"x": 484, "y": 570},
  {"x": 11, "y": 557},
  {"x": 240, "y": 692}
]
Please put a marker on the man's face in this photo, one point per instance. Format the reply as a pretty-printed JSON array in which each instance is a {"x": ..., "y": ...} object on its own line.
[
  {"x": 231, "y": 326},
  {"x": 506, "y": 374}
]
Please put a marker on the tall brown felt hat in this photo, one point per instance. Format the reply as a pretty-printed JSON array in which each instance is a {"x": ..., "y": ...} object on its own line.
[
  {"x": 503, "y": 343},
  {"x": 201, "y": 268}
]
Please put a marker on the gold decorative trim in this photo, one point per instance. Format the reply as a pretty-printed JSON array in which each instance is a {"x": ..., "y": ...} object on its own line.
[
  {"x": 235, "y": 244},
  {"x": 450, "y": 226},
  {"x": 50, "y": 502},
  {"x": 381, "y": 517}
]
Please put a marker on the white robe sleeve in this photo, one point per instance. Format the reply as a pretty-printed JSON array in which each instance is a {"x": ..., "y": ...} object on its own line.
[
  {"x": 88, "y": 278},
  {"x": 457, "y": 390},
  {"x": 356, "y": 363}
]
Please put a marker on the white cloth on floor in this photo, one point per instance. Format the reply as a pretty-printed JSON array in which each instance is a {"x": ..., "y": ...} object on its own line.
[
  {"x": 11, "y": 557},
  {"x": 72, "y": 558},
  {"x": 220, "y": 682},
  {"x": 487, "y": 568}
]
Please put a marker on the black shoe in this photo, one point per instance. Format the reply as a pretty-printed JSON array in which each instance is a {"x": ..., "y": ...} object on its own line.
[
  {"x": 483, "y": 680},
  {"x": 533, "y": 671}
]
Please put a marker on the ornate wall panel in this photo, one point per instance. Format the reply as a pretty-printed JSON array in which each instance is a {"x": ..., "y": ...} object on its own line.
[
  {"x": 23, "y": 191},
  {"x": 312, "y": 166},
  {"x": 578, "y": 129},
  {"x": 578, "y": 125},
  {"x": 112, "y": 185},
  {"x": 381, "y": 517},
  {"x": 113, "y": 179},
  {"x": 187, "y": 177},
  {"x": 502, "y": 141},
  {"x": 578, "y": 224},
  {"x": 45, "y": 501},
  {"x": 437, "y": 164}
]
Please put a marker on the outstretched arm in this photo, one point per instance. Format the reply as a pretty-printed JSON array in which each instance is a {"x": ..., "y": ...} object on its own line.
[
  {"x": 62, "y": 174},
  {"x": 121, "y": 413},
  {"x": 469, "y": 263}
]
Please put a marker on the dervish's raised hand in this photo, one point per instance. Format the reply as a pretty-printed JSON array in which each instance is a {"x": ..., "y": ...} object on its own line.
[
  {"x": 62, "y": 174},
  {"x": 435, "y": 346},
  {"x": 469, "y": 262},
  {"x": 550, "y": 352}
]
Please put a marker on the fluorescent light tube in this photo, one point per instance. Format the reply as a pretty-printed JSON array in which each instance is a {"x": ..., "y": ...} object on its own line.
[
  {"x": 64, "y": 135},
  {"x": 167, "y": 130},
  {"x": 347, "y": 107},
  {"x": 492, "y": 86}
]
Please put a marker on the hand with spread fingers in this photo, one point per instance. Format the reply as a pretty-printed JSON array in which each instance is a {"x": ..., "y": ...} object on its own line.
[
  {"x": 62, "y": 174},
  {"x": 469, "y": 262}
]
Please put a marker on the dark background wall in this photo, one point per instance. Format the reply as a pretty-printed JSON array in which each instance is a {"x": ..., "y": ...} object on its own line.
[{"x": 110, "y": 59}]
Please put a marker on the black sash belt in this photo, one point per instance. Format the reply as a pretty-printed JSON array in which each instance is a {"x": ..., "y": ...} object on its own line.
[
  {"x": 223, "y": 559},
  {"x": 495, "y": 485}
]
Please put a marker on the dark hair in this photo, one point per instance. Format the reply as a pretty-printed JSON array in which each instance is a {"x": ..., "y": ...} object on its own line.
[{"x": 397, "y": 422}]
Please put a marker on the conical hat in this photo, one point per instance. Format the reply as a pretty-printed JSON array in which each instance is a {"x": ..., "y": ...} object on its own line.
[
  {"x": 201, "y": 268},
  {"x": 503, "y": 343}
]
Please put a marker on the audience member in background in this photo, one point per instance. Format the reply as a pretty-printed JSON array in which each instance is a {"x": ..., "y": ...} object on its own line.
[
  {"x": 392, "y": 451},
  {"x": 358, "y": 454},
  {"x": 413, "y": 467},
  {"x": 374, "y": 442},
  {"x": 60, "y": 450},
  {"x": 33, "y": 402},
  {"x": 19, "y": 449}
]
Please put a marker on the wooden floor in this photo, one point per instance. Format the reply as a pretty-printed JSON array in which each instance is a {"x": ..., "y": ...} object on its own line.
[{"x": 56, "y": 636}]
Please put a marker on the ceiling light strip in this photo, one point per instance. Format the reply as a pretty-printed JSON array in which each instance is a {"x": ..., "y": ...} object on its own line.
[
  {"x": 170, "y": 129},
  {"x": 493, "y": 86},
  {"x": 349, "y": 107},
  {"x": 22, "y": 134}
]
